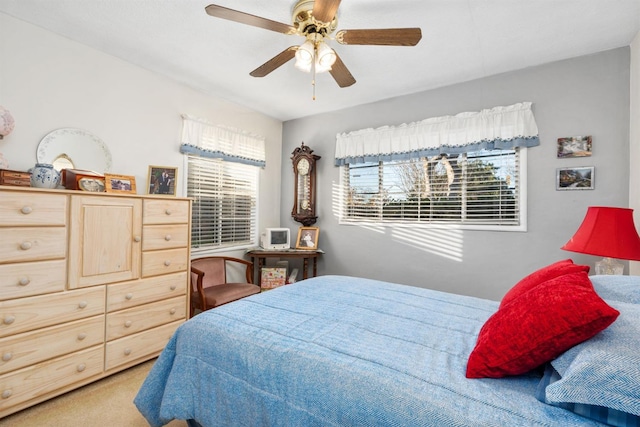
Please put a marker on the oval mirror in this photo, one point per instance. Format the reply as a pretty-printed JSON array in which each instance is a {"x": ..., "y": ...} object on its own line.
[{"x": 76, "y": 149}]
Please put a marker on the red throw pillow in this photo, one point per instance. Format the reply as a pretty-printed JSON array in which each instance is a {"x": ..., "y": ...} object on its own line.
[
  {"x": 538, "y": 326},
  {"x": 540, "y": 276}
]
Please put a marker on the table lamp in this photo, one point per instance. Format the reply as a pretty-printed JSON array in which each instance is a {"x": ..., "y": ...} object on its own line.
[{"x": 608, "y": 232}]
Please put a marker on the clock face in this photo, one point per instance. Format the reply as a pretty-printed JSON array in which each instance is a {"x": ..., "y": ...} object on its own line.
[{"x": 303, "y": 166}]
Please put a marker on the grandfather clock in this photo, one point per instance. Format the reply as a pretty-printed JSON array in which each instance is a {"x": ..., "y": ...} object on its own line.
[{"x": 304, "y": 187}]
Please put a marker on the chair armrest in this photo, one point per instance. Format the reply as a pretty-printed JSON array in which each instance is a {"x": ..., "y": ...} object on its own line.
[
  {"x": 196, "y": 271},
  {"x": 200, "y": 275}
]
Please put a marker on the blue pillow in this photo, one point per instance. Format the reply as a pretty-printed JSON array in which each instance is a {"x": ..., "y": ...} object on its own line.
[
  {"x": 618, "y": 288},
  {"x": 601, "y": 414},
  {"x": 600, "y": 378}
]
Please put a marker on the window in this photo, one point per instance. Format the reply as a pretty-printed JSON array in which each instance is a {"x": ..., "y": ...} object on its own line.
[
  {"x": 223, "y": 166},
  {"x": 478, "y": 189},
  {"x": 224, "y": 207}
]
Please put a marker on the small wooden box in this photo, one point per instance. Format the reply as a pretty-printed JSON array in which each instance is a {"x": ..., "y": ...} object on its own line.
[
  {"x": 17, "y": 178},
  {"x": 84, "y": 180}
]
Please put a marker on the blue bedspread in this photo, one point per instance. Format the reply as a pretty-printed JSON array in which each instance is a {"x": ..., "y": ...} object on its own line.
[{"x": 339, "y": 351}]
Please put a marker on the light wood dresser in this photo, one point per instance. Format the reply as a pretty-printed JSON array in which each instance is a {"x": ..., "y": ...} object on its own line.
[{"x": 90, "y": 284}]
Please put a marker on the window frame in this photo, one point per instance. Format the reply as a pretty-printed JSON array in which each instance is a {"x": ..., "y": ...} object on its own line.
[{"x": 522, "y": 201}]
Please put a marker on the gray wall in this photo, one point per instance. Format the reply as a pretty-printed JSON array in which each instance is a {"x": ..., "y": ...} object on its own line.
[{"x": 587, "y": 95}]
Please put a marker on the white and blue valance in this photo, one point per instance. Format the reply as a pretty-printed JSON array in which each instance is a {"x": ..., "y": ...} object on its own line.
[
  {"x": 496, "y": 128},
  {"x": 205, "y": 139}
]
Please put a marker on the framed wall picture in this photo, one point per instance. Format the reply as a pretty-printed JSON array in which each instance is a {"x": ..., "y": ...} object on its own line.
[
  {"x": 119, "y": 183},
  {"x": 580, "y": 178},
  {"x": 307, "y": 238},
  {"x": 162, "y": 180},
  {"x": 574, "y": 146}
]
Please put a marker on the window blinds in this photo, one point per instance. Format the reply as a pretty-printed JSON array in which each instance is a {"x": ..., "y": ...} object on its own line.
[{"x": 224, "y": 208}]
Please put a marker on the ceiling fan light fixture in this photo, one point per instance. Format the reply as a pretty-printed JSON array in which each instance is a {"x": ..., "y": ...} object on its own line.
[
  {"x": 326, "y": 57},
  {"x": 303, "y": 66},
  {"x": 318, "y": 52},
  {"x": 305, "y": 55}
]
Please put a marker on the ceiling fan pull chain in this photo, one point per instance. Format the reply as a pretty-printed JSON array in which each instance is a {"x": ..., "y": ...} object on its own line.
[{"x": 313, "y": 69}]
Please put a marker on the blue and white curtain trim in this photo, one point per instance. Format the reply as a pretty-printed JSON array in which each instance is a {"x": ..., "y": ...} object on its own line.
[
  {"x": 496, "y": 128},
  {"x": 205, "y": 139}
]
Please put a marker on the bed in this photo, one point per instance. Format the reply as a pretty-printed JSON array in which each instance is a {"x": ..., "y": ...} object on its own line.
[{"x": 344, "y": 351}]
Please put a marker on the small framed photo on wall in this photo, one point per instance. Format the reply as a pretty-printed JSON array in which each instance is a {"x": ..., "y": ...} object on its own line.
[
  {"x": 119, "y": 183},
  {"x": 574, "y": 146},
  {"x": 307, "y": 238},
  {"x": 162, "y": 180},
  {"x": 580, "y": 178}
]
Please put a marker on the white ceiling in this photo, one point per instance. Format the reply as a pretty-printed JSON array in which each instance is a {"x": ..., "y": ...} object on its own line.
[{"x": 461, "y": 40}]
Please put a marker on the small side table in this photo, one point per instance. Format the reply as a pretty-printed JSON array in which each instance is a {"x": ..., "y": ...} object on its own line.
[{"x": 259, "y": 257}]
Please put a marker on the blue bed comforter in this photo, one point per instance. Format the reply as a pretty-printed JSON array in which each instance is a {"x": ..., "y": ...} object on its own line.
[{"x": 338, "y": 351}]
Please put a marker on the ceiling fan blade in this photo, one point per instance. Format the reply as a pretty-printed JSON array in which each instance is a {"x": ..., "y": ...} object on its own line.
[
  {"x": 325, "y": 10},
  {"x": 275, "y": 62},
  {"x": 384, "y": 37},
  {"x": 341, "y": 74},
  {"x": 246, "y": 18}
]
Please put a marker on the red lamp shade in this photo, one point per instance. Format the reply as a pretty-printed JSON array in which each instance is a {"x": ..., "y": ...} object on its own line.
[{"x": 608, "y": 232}]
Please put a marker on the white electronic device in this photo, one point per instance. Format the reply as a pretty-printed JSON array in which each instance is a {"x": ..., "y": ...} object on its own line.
[{"x": 275, "y": 238}]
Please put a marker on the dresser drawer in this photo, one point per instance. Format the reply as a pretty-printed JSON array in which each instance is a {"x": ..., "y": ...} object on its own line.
[
  {"x": 32, "y": 244},
  {"x": 162, "y": 211},
  {"x": 132, "y": 320},
  {"x": 138, "y": 346},
  {"x": 32, "y": 278},
  {"x": 31, "y": 313},
  {"x": 163, "y": 262},
  {"x": 46, "y": 377},
  {"x": 33, "y": 347},
  {"x": 131, "y": 294},
  {"x": 24, "y": 209},
  {"x": 164, "y": 236}
]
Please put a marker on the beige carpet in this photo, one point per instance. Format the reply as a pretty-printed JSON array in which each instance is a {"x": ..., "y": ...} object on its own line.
[{"x": 108, "y": 402}]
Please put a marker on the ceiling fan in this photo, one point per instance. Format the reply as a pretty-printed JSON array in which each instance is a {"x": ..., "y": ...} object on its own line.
[{"x": 316, "y": 21}]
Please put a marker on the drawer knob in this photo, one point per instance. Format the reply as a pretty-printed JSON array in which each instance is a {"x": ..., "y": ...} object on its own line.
[
  {"x": 167, "y": 237},
  {"x": 137, "y": 239},
  {"x": 128, "y": 324},
  {"x": 127, "y": 351},
  {"x": 81, "y": 367},
  {"x": 25, "y": 246},
  {"x": 128, "y": 296},
  {"x": 83, "y": 304},
  {"x": 168, "y": 211},
  {"x": 24, "y": 281},
  {"x": 6, "y": 357},
  {"x": 7, "y": 394},
  {"x": 26, "y": 210},
  {"x": 172, "y": 311},
  {"x": 172, "y": 287},
  {"x": 167, "y": 263},
  {"x": 9, "y": 320},
  {"x": 82, "y": 336}
]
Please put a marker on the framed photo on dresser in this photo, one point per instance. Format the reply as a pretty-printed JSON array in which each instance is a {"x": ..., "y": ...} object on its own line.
[
  {"x": 119, "y": 183},
  {"x": 162, "y": 180}
]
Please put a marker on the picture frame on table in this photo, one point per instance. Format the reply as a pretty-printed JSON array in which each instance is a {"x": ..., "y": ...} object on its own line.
[
  {"x": 575, "y": 178},
  {"x": 308, "y": 238},
  {"x": 162, "y": 180},
  {"x": 119, "y": 183}
]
